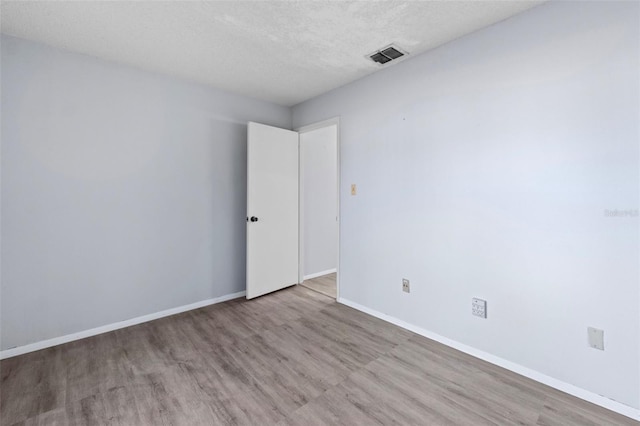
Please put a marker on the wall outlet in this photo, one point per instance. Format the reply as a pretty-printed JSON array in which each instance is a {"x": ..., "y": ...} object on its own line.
[
  {"x": 596, "y": 338},
  {"x": 479, "y": 307},
  {"x": 405, "y": 286}
]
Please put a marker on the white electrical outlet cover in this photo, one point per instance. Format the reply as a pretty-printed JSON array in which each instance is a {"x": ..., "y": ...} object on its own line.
[
  {"x": 596, "y": 338},
  {"x": 479, "y": 307}
]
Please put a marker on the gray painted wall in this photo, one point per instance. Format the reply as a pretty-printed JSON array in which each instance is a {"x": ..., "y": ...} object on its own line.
[
  {"x": 484, "y": 169},
  {"x": 123, "y": 192}
]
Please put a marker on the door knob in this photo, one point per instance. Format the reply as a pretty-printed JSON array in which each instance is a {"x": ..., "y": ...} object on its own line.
[{"x": 254, "y": 219}]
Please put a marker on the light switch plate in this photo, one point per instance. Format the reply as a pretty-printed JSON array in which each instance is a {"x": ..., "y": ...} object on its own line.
[
  {"x": 353, "y": 189},
  {"x": 596, "y": 338},
  {"x": 479, "y": 307}
]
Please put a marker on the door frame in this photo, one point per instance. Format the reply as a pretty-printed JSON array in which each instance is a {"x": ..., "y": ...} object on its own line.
[{"x": 304, "y": 129}]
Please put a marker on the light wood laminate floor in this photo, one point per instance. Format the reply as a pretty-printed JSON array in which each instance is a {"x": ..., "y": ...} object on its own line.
[
  {"x": 325, "y": 284},
  {"x": 294, "y": 357}
]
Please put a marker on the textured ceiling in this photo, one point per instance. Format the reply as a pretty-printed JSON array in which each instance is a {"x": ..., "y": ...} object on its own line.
[{"x": 280, "y": 51}]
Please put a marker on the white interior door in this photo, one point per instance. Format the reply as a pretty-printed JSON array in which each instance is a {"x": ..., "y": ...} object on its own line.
[{"x": 272, "y": 209}]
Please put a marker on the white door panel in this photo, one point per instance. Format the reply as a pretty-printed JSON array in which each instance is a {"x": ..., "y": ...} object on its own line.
[{"x": 272, "y": 209}]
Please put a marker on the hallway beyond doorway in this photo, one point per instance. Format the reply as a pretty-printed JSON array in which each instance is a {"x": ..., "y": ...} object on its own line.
[{"x": 325, "y": 284}]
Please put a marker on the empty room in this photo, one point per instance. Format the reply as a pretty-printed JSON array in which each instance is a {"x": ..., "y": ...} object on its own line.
[{"x": 320, "y": 213}]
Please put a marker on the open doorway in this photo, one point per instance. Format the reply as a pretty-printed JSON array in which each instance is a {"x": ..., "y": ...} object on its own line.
[{"x": 319, "y": 207}]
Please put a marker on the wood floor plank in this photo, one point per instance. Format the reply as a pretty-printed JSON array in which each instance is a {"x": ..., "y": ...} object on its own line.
[
  {"x": 57, "y": 417},
  {"x": 317, "y": 358},
  {"x": 32, "y": 384},
  {"x": 565, "y": 410},
  {"x": 95, "y": 365},
  {"x": 293, "y": 357},
  {"x": 354, "y": 321},
  {"x": 280, "y": 380},
  {"x": 459, "y": 395}
]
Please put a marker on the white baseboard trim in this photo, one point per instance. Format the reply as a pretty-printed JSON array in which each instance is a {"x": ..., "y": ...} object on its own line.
[
  {"x": 43, "y": 344},
  {"x": 586, "y": 395},
  {"x": 319, "y": 274}
]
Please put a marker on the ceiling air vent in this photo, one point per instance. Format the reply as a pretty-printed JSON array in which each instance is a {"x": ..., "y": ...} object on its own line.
[{"x": 387, "y": 54}]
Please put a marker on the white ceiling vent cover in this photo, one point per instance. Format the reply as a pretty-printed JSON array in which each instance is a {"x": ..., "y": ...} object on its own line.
[{"x": 387, "y": 54}]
